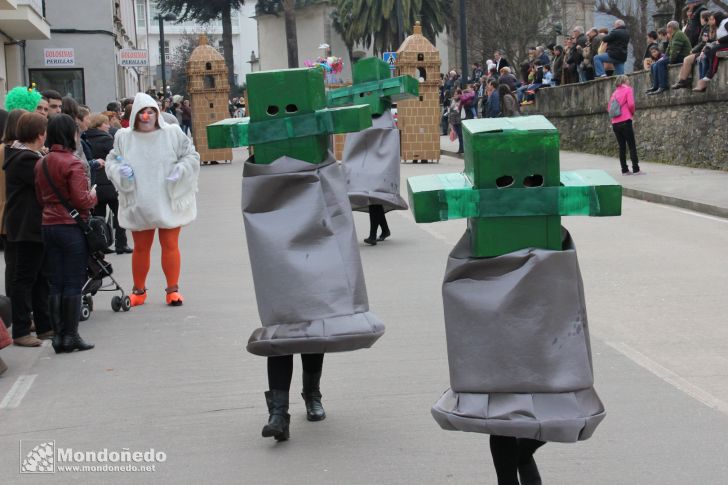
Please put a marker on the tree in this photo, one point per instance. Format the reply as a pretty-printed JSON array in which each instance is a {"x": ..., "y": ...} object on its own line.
[
  {"x": 343, "y": 22},
  {"x": 179, "y": 58},
  {"x": 635, "y": 16},
  {"x": 522, "y": 24},
  {"x": 373, "y": 23},
  {"x": 204, "y": 11}
]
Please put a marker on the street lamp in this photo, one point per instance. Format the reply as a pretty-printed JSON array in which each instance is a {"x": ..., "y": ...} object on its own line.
[{"x": 169, "y": 18}]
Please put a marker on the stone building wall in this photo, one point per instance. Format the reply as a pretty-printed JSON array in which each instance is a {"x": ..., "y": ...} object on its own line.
[{"x": 678, "y": 127}]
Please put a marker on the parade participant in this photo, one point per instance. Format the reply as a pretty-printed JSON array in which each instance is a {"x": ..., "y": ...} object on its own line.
[
  {"x": 371, "y": 157},
  {"x": 515, "y": 318},
  {"x": 154, "y": 168},
  {"x": 306, "y": 267}
]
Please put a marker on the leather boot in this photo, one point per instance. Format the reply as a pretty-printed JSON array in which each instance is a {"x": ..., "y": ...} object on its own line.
[
  {"x": 54, "y": 314},
  {"x": 312, "y": 396},
  {"x": 278, "y": 419},
  {"x": 70, "y": 315}
]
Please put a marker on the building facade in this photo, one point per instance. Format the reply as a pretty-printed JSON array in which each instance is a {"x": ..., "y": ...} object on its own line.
[
  {"x": 20, "y": 21},
  {"x": 81, "y": 58},
  {"x": 244, "y": 30}
]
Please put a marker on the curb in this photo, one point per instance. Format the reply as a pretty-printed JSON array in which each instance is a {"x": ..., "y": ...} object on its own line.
[{"x": 712, "y": 210}]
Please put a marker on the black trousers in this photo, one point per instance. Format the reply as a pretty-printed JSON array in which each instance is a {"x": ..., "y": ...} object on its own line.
[
  {"x": 625, "y": 137},
  {"x": 29, "y": 288},
  {"x": 100, "y": 210},
  {"x": 280, "y": 369},
  {"x": 377, "y": 219},
  {"x": 511, "y": 455}
]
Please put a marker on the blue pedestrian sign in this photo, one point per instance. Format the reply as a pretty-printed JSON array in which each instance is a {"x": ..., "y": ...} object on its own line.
[{"x": 390, "y": 58}]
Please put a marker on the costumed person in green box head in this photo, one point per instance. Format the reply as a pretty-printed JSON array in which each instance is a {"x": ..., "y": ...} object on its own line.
[
  {"x": 372, "y": 157},
  {"x": 515, "y": 318},
  {"x": 307, "y": 272}
]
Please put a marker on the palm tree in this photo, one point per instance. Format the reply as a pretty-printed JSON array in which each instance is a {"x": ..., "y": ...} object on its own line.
[
  {"x": 344, "y": 23},
  {"x": 288, "y": 7},
  {"x": 374, "y": 22},
  {"x": 204, "y": 11}
]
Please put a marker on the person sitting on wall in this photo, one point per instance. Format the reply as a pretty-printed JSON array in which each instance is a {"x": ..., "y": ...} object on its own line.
[
  {"x": 617, "y": 45},
  {"x": 678, "y": 48},
  {"x": 686, "y": 71},
  {"x": 711, "y": 60}
]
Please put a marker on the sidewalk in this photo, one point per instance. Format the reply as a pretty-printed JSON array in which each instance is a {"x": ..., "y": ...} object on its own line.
[{"x": 689, "y": 188}]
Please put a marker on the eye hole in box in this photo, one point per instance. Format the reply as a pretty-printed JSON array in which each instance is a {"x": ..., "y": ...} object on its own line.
[
  {"x": 272, "y": 110},
  {"x": 291, "y": 108},
  {"x": 504, "y": 181},
  {"x": 535, "y": 180}
]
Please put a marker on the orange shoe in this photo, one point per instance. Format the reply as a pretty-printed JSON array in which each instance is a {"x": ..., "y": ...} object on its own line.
[
  {"x": 174, "y": 297},
  {"x": 138, "y": 297}
]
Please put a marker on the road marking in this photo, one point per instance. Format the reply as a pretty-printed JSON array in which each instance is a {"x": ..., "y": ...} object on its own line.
[
  {"x": 669, "y": 376},
  {"x": 17, "y": 392},
  {"x": 703, "y": 216}
]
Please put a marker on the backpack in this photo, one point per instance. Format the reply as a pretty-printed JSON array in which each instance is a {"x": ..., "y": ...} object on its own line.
[{"x": 615, "y": 109}]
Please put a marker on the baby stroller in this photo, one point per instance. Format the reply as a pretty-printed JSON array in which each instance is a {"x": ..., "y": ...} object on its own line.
[{"x": 97, "y": 268}]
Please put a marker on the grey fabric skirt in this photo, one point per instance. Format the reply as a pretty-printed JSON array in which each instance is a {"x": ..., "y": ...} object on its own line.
[
  {"x": 518, "y": 346},
  {"x": 304, "y": 256},
  {"x": 371, "y": 161}
]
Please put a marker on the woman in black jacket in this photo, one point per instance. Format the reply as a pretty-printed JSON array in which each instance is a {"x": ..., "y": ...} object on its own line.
[
  {"x": 29, "y": 289},
  {"x": 101, "y": 142}
]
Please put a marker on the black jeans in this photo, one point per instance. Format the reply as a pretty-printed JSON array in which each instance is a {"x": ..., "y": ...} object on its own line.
[
  {"x": 625, "y": 137},
  {"x": 66, "y": 255},
  {"x": 280, "y": 369},
  {"x": 377, "y": 219},
  {"x": 113, "y": 204},
  {"x": 30, "y": 288},
  {"x": 459, "y": 131}
]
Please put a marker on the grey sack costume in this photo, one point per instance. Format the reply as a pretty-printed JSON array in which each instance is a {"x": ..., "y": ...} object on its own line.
[
  {"x": 518, "y": 346},
  {"x": 371, "y": 161},
  {"x": 308, "y": 277}
]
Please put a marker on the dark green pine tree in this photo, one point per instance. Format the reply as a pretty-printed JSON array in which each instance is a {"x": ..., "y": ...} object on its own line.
[{"x": 204, "y": 11}]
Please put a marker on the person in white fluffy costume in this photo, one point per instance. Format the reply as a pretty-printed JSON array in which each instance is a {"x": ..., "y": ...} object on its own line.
[{"x": 155, "y": 168}]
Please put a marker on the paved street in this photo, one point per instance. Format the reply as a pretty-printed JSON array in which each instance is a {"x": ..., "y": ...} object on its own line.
[{"x": 179, "y": 380}]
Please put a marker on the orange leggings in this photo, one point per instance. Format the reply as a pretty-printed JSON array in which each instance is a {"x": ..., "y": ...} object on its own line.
[{"x": 141, "y": 257}]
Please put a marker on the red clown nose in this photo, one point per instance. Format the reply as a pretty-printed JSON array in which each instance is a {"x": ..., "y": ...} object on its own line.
[{"x": 145, "y": 116}]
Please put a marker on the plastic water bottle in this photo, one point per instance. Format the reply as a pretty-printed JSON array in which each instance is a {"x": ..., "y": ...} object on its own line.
[{"x": 121, "y": 160}]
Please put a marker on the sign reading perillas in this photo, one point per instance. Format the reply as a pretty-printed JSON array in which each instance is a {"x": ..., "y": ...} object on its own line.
[
  {"x": 133, "y": 57},
  {"x": 59, "y": 57}
]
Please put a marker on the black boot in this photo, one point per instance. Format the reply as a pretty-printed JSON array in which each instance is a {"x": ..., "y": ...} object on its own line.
[
  {"x": 312, "y": 395},
  {"x": 54, "y": 315},
  {"x": 120, "y": 243},
  {"x": 70, "y": 315},
  {"x": 279, "y": 418}
]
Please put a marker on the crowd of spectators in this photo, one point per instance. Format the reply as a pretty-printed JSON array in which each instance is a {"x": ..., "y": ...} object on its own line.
[
  {"x": 586, "y": 55},
  {"x": 45, "y": 253}
]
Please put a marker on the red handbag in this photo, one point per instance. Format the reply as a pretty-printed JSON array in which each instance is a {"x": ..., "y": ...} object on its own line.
[{"x": 5, "y": 338}]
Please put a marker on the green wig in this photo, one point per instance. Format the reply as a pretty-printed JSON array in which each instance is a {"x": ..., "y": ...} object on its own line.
[{"x": 22, "y": 97}]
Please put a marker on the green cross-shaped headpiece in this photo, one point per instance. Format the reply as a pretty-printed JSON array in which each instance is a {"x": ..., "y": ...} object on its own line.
[
  {"x": 373, "y": 85},
  {"x": 511, "y": 190},
  {"x": 288, "y": 117}
]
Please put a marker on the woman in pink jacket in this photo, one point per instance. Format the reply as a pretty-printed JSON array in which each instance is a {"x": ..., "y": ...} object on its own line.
[{"x": 622, "y": 124}]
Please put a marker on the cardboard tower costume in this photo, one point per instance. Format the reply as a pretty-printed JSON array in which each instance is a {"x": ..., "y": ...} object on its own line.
[
  {"x": 517, "y": 335},
  {"x": 371, "y": 157}
]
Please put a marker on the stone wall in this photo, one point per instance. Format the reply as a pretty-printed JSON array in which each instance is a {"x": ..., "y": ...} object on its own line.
[{"x": 678, "y": 127}]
